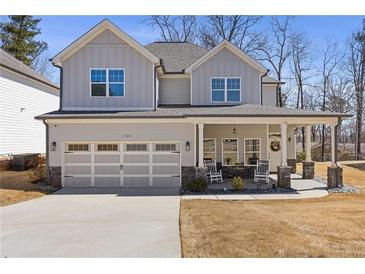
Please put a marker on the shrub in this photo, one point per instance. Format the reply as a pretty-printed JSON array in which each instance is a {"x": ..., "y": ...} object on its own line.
[
  {"x": 197, "y": 185},
  {"x": 39, "y": 172},
  {"x": 301, "y": 156},
  {"x": 238, "y": 183}
]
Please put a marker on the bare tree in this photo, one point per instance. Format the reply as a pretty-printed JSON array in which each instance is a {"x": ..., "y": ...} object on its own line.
[
  {"x": 237, "y": 29},
  {"x": 43, "y": 66},
  {"x": 330, "y": 61},
  {"x": 175, "y": 28},
  {"x": 356, "y": 67},
  {"x": 276, "y": 48}
]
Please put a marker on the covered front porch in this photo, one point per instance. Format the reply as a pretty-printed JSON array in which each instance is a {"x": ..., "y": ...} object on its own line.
[{"x": 236, "y": 144}]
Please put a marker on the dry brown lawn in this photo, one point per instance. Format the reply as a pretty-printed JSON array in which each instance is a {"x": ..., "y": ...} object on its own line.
[
  {"x": 16, "y": 186},
  {"x": 333, "y": 226}
]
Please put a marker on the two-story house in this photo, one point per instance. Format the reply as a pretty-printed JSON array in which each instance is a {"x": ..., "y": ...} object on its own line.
[{"x": 148, "y": 116}]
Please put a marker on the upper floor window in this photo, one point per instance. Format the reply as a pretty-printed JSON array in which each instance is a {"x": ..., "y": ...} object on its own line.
[
  {"x": 226, "y": 89},
  {"x": 107, "y": 82}
]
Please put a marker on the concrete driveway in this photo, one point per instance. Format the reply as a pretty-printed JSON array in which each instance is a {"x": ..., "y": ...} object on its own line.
[{"x": 79, "y": 223}]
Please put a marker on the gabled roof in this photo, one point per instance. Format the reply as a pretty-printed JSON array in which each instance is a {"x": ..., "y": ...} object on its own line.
[
  {"x": 95, "y": 31},
  {"x": 232, "y": 48},
  {"x": 9, "y": 62},
  {"x": 176, "y": 56}
]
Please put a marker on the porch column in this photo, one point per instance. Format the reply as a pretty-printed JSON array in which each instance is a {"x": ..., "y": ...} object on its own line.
[
  {"x": 333, "y": 145},
  {"x": 308, "y": 146},
  {"x": 283, "y": 175},
  {"x": 284, "y": 127},
  {"x": 308, "y": 165},
  {"x": 201, "y": 144}
]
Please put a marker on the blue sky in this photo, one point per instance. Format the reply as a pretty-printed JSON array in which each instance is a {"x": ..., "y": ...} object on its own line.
[{"x": 60, "y": 31}]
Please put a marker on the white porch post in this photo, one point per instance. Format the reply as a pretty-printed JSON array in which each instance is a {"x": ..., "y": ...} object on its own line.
[
  {"x": 201, "y": 144},
  {"x": 333, "y": 143},
  {"x": 284, "y": 127},
  {"x": 308, "y": 148}
]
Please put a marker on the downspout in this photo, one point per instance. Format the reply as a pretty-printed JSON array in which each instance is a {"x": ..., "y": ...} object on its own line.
[
  {"x": 61, "y": 82},
  {"x": 47, "y": 151},
  {"x": 262, "y": 76},
  {"x": 155, "y": 85}
]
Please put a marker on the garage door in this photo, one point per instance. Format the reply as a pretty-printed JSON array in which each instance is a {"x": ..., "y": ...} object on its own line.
[{"x": 105, "y": 164}]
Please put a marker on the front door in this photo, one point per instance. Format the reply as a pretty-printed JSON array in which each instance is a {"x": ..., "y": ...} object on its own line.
[{"x": 274, "y": 151}]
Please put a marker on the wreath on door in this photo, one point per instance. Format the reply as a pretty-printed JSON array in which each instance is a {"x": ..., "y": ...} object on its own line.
[{"x": 275, "y": 145}]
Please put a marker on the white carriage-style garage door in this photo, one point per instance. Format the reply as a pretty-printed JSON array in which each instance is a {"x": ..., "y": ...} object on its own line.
[{"x": 111, "y": 164}]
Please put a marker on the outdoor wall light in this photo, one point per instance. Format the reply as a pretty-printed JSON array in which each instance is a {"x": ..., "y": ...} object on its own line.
[
  {"x": 234, "y": 129},
  {"x": 187, "y": 146},
  {"x": 289, "y": 139},
  {"x": 53, "y": 147}
]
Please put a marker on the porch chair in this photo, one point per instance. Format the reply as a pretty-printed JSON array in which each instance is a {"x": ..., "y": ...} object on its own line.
[
  {"x": 213, "y": 176},
  {"x": 262, "y": 172}
]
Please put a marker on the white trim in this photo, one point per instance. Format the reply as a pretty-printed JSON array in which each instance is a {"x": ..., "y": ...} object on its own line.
[
  {"x": 222, "y": 149},
  {"x": 191, "y": 89},
  {"x": 92, "y": 166},
  {"x": 225, "y": 90},
  {"x": 298, "y": 121},
  {"x": 94, "y": 32},
  {"x": 215, "y": 147},
  {"x": 195, "y": 144},
  {"x": 244, "y": 149},
  {"x": 232, "y": 48},
  {"x": 175, "y": 76},
  {"x": 107, "y": 83}
]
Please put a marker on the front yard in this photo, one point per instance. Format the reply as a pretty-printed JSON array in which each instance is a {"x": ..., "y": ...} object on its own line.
[
  {"x": 16, "y": 186},
  {"x": 333, "y": 226}
]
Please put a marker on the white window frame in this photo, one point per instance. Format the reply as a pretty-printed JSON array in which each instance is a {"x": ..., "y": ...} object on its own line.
[
  {"x": 225, "y": 90},
  {"x": 245, "y": 152},
  {"x": 215, "y": 147},
  {"x": 107, "y": 83},
  {"x": 238, "y": 149}
]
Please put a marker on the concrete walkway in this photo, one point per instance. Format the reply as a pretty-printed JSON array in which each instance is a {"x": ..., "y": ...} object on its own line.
[
  {"x": 303, "y": 189},
  {"x": 75, "y": 223}
]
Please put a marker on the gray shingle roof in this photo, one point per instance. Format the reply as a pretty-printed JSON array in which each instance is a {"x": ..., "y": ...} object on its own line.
[
  {"x": 9, "y": 61},
  {"x": 199, "y": 111},
  {"x": 176, "y": 56},
  {"x": 269, "y": 79}
]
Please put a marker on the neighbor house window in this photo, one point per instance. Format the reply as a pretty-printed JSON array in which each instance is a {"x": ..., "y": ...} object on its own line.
[
  {"x": 78, "y": 147},
  {"x": 107, "y": 82},
  {"x": 252, "y": 151},
  {"x": 209, "y": 149},
  {"x": 226, "y": 89},
  {"x": 229, "y": 151}
]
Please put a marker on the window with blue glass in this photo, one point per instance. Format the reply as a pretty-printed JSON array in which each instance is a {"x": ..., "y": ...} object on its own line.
[
  {"x": 107, "y": 82},
  {"x": 226, "y": 89}
]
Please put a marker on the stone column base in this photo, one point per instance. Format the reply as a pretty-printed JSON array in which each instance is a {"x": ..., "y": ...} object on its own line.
[
  {"x": 189, "y": 173},
  {"x": 332, "y": 174},
  {"x": 308, "y": 170},
  {"x": 293, "y": 164},
  {"x": 284, "y": 177}
]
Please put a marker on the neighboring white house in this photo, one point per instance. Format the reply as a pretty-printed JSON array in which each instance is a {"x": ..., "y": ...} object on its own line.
[
  {"x": 148, "y": 116},
  {"x": 24, "y": 94}
]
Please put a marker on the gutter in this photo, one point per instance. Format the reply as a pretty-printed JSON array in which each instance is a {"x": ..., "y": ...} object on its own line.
[
  {"x": 262, "y": 77},
  {"x": 61, "y": 82},
  {"x": 47, "y": 150}
]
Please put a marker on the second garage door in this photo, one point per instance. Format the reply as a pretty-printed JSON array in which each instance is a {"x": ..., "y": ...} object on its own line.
[{"x": 107, "y": 164}]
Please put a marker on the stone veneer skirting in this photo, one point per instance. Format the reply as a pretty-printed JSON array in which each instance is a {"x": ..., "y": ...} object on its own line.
[
  {"x": 55, "y": 176},
  {"x": 284, "y": 176},
  {"x": 189, "y": 173}
]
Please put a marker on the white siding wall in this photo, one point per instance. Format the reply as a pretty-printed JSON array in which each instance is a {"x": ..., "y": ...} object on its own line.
[
  {"x": 225, "y": 64},
  {"x": 19, "y": 131},
  {"x": 107, "y": 51},
  {"x": 175, "y": 91},
  {"x": 269, "y": 95}
]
